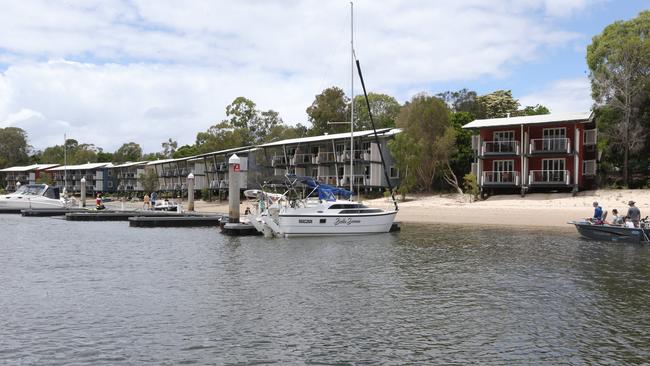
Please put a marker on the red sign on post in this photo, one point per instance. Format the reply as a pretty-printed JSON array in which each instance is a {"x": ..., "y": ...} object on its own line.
[{"x": 235, "y": 168}]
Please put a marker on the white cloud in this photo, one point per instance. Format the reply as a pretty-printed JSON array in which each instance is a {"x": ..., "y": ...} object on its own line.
[
  {"x": 149, "y": 70},
  {"x": 560, "y": 96}
]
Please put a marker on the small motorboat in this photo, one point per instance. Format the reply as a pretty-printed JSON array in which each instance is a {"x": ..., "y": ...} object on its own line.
[
  {"x": 615, "y": 233},
  {"x": 33, "y": 196},
  {"x": 165, "y": 205}
]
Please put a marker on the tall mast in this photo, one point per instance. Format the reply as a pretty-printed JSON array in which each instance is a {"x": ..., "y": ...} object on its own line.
[
  {"x": 65, "y": 164},
  {"x": 352, "y": 98}
]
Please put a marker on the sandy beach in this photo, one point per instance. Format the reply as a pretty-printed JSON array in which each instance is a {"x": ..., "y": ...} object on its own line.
[{"x": 533, "y": 210}]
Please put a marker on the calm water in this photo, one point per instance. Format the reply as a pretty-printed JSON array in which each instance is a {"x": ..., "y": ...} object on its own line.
[{"x": 104, "y": 293}]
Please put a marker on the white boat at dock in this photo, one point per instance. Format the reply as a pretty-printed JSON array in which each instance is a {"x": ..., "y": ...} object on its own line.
[
  {"x": 318, "y": 214},
  {"x": 33, "y": 196}
]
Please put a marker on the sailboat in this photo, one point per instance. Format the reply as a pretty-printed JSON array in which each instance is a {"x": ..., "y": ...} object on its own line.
[{"x": 322, "y": 212}]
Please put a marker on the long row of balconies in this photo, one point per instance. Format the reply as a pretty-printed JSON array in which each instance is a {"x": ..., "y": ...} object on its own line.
[
  {"x": 320, "y": 158},
  {"x": 535, "y": 177},
  {"x": 536, "y": 146}
]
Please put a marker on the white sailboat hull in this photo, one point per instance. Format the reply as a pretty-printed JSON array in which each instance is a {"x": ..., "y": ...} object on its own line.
[{"x": 327, "y": 225}]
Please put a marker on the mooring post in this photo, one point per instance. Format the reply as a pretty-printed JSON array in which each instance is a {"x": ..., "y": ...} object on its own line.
[
  {"x": 82, "y": 201},
  {"x": 190, "y": 192},
  {"x": 233, "y": 188}
]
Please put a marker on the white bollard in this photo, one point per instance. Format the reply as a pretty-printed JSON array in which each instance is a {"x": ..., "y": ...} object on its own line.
[
  {"x": 82, "y": 201},
  {"x": 233, "y": 188},
  {"x": 190, "y": 192}
]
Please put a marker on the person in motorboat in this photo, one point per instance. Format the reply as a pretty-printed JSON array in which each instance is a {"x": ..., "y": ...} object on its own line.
[
  {"x": 618, "y": 220},
  {"x": 599, "y": 217},
  {"x": 154, "y": 198},
  {"x": 633, "y": 214}
]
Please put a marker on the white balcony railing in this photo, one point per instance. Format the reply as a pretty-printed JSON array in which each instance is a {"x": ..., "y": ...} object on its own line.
[
  {"x": 299, "y": 159},
  {"x": 550, "y": 145},
  {"x": 278, "y": 160},
  {"x": 326, "y": 157},
  {"x": 501, "y": 177},
  {"x": 550, "y": 177},
  {"x": 500, "y": 148}
]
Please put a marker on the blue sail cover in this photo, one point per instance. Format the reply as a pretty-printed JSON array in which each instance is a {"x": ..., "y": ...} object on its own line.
[{"x": 325, "y": 192}]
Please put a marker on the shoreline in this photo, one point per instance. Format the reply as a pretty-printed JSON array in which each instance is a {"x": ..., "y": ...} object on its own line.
[{"x": 535, "y": 210}]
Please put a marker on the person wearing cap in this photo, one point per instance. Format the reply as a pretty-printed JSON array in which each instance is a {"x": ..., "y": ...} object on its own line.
[{"x": 633, "y": 214}]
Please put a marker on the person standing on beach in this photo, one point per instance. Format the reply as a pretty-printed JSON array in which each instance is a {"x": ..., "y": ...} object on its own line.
[
  {"x": 154, "y": 197},
  {"x": 146, "y": 202},
  {"x": 633, "y": 214}
]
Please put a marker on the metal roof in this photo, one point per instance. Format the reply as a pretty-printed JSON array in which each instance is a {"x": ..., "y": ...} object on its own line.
[
  {"x": 583, "y": 117},
  {"x": 130, "y": 163},
  {"x": 27, "y": 168},
  {"x": 302, "y": 140},
  {"x": 82, "y": 166}
]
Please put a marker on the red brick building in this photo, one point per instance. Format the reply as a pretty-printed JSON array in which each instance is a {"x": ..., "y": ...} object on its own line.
[{"x": 552, "y": 151}]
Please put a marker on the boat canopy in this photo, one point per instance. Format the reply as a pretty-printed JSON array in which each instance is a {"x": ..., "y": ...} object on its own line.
[{"x": 325, "y": 192}]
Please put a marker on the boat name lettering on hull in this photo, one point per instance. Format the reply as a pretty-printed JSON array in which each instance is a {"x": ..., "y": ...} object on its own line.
[
  {"x": 346, "y": 221},
  {"x": 303, "y": 221}
]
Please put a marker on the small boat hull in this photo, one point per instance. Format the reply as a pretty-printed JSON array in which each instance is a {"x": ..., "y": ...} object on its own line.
[
  {"x": 328, "y": 225},
  {"x": 612, "y": 233}
]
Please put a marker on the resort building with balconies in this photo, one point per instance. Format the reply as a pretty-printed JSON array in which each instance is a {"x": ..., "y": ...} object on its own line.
[
  {"x": 29, "y": 174},
  {"x": 98, "y": 177},
  {"x": 543, "y": 152},
  {"x": 326, "y": 158}
]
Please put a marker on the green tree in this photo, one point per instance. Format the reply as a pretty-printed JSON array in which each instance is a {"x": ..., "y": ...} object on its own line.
[
  {"x": 76, "y": 153},
  {"x": 384, "y": 111},
  {"x": 104, "y": 157},
  {"x": 13, "y": 147},
  {"x": 169, "y": 148},
  {"x": 331, "y": 105},
  {"x": 461, "y": 160},
  {"x": 463, "y": 100},
  {"x": 535, "y": 110},
  {"x": 425, "y": 120},
  {"x": 407, "y": 154},
  {"x": 129, "y": 151},
  {"x": 221, "y": 136},
  {"x": 497, "y": 104},
  {"x": 185, "y": 151},
  {"x": 619, "y": 65},
  {"x": 149, "y": 180}
]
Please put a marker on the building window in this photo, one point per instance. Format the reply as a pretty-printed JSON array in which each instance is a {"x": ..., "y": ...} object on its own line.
[
  {"x": 554, "y": 139},
  {"x": 502, "y": 172},
  {"x": 394, "y": 172},
  {"x": 553, "y": 170},
  {"x": 110, "y": 184},
  {"x": 504, "y": 141}
]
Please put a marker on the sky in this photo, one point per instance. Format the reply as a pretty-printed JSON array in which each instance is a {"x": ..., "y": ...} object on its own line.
[{"x": 109, "y": 72}]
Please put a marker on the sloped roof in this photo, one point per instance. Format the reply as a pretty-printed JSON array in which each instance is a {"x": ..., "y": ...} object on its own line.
[
  {"x": 583, "y": 117},
  {"x": 130, "y": 163},
  {"x": 302, "y": 140},
  {"x": 82, "y": 166},
  {"x": 27, "y": 168}
]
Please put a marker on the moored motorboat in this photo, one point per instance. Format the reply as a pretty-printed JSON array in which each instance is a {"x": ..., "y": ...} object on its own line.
[
  {"x": 614, "y": 233},
  {"x": 33, "y": 196},
  {"x": 165, "y": 205}
]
